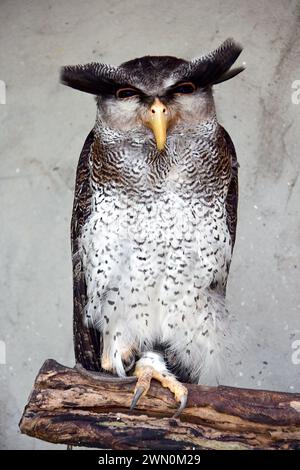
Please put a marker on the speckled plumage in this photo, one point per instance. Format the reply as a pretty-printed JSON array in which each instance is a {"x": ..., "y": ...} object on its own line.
[{"x": 153, "y": 231}]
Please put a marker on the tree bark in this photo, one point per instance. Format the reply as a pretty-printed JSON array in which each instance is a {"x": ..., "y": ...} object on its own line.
[{"x": 68, "y": 406}]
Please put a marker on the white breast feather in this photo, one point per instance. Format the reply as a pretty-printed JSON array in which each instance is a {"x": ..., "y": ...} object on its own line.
[{"x": 148, "y": 275}]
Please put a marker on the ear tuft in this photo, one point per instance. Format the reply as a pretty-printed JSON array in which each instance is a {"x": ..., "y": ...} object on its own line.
[
  {"x": 229, "y": 74},
  {"x": 94, "y": 78},
  {"x": 80, "y": 77},
  {"x": 214, "y": 67}
]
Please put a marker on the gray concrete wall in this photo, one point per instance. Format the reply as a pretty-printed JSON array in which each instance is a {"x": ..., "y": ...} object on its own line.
[{"x": 43, "y": 126}]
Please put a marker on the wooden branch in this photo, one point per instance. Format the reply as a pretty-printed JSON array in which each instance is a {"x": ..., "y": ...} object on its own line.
[{"x": 68, "y": 407}]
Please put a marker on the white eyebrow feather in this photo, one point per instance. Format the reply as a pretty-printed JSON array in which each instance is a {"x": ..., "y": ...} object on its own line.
[{"x": 170, "y": 81}]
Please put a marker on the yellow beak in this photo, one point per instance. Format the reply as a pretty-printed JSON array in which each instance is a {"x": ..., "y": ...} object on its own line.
[{"x": 158, "y": 121}]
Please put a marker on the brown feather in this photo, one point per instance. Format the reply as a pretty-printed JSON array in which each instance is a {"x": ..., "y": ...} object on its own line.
[
  {"x": 232, "y": 195},
  {"x": 87, "y": 341}
]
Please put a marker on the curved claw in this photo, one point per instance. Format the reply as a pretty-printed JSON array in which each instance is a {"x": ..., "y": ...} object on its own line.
[
  {"x": 129, "y": 366},
  {"x": 183, "y": 402},
  {"x": 137, "y": 395}
]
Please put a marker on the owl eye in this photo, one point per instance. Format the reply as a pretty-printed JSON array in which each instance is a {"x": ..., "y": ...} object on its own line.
[
  {"x": 184, "y": 88},
  {"x": 126, "y": 93}
]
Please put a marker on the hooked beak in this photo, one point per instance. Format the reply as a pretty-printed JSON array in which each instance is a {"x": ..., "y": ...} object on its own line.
[{"x": 158, "y": 122}]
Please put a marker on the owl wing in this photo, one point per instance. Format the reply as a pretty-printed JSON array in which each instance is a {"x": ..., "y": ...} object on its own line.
[
  {"x": 232, "y": 195},
  {"x": 87, "y": 341}
]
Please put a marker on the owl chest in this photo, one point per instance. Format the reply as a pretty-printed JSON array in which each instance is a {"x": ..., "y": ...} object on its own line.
[{"x": 155, "y": 241}]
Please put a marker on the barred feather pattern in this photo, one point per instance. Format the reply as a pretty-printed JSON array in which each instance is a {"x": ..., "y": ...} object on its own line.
[{"x": 156, "y": 246}]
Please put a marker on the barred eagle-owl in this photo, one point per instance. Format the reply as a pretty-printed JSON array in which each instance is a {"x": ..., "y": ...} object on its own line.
[{"x": 154, "y": 219}]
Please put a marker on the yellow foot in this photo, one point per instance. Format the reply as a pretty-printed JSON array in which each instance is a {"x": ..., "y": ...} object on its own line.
[{"x": 151, "y": 366}]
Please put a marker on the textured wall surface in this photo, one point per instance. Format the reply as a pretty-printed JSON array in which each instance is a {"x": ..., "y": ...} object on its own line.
[{"x": 43, "y": 127}]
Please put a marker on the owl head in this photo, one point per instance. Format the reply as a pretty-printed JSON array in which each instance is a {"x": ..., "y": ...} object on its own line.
[{"x": 155, "y": 94}]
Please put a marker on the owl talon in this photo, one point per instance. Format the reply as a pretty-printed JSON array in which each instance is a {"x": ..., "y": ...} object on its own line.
[
  {"x": 183, "y": 402},
  {"x": 137, "y": 395},
  {"x": 145, "y": 373},
  {"x": 128, "y": 365}
]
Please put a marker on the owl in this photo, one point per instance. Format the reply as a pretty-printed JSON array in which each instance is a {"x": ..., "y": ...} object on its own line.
[{"x": 154, "y": 220}]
